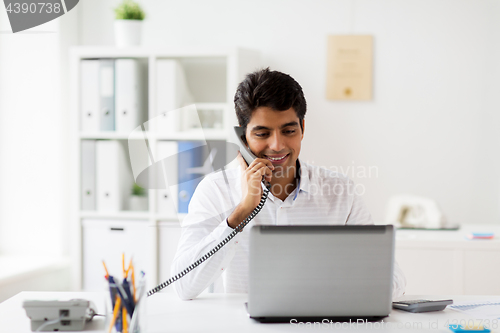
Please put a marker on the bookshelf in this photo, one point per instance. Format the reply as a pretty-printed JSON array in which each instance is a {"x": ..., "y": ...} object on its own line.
[{"x": 212, "y": 75}]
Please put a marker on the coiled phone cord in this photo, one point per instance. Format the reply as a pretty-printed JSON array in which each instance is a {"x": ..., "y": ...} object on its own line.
[{"x": 216, "y": 248}]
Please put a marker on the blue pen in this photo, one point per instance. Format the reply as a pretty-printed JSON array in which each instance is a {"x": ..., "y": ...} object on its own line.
[
  {"x": 114, "y": 291},
  {"x": 125, "y": 300},
  {"x": 126, "y": 287}
]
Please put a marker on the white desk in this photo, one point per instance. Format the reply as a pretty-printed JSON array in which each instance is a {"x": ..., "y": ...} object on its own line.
[{"x": 224, "y": 313}]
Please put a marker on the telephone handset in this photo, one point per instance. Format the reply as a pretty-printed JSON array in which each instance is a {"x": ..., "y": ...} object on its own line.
[
  {"x": 249, "y": 157},
  {"x": 244, "y": 150},
  {"x": 247, "y": 154}
]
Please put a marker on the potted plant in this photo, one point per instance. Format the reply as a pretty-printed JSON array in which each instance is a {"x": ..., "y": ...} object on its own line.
[
  {"x": 128, "y": 23},
  {"x": 138, "y": 199}
]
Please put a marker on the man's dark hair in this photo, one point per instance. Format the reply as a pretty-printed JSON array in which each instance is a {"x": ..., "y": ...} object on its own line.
[{"x": 272, "y": 89}]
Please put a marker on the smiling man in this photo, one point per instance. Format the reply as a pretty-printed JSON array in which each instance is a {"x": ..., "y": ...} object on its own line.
[
  {"x": 274, "y": 137},
  {"x": 271, "y": 107}
]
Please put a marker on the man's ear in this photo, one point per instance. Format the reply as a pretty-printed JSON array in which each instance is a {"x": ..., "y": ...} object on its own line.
[{"x": 303, "y": 127}]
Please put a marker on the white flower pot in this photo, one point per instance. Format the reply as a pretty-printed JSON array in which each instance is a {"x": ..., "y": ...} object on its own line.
[
  {"x": 128, "y": 32},
  {"x": 138, "y": 203}
]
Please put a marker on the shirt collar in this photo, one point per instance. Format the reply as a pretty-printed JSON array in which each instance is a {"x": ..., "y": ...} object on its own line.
[{"x": 303, "y": 179}]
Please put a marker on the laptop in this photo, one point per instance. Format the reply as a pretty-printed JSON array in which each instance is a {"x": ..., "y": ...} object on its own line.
[{"x": 312, "y": 273}]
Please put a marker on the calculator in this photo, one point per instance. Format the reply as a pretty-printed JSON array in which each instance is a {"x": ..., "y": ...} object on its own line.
[{"x": 422, "y": 305}]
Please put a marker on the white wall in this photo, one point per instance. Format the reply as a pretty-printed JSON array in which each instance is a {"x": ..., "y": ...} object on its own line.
[
  {"x": 431, "y": 128},
  {"x": 33, "y": 137},
  {"x": 30, "y": 135}
]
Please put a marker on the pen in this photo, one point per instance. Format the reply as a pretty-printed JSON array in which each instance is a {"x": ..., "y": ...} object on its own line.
[
  {"x": 129, "y": 267},
  {"x": 105, "y": 268},
  {"x": 123, "y": 295},
  {"x": 115, "y": 313},
  {"x": 126, "y": 284},
  {"x": 134, "y": 322},
  {"x": 133, "y": 283},
  {"x": 126, "y": 288},
  {"x": 125, "y": 327},
  {"x": 114, "y": 294},
  {"x": 123, "y": 265},
  {"x": 141, "y": 287}
]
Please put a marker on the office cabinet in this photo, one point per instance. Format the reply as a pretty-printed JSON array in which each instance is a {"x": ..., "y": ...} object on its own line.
[
  {"x": 107, "y": 240},
  {"x": 481, "y": 272},
  {"x": 447, "y": 263},
  {"x": 429, "y": 270}
]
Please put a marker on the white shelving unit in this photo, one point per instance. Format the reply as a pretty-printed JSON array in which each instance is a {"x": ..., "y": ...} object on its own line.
[{"x": 212, "y": 75}]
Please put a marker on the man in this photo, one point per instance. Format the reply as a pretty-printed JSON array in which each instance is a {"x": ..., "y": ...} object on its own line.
[{"x": 271, "y": 107}]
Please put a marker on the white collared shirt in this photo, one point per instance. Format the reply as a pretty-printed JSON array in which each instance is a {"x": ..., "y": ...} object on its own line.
[{"x": 321, "y": 197}]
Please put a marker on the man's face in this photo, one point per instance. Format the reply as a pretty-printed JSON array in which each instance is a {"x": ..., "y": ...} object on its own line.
[{"x": 275, "y": 136}]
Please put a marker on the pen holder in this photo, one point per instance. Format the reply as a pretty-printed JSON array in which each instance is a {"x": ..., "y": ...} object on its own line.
[{"x": 120, "y": 321}]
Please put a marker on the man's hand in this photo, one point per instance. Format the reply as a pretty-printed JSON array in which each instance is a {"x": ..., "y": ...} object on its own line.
[{"x": 251, "y": 178}]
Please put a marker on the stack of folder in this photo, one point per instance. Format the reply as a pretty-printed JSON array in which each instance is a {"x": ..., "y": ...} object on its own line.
[
  {"x": 185, "y": 163},
  {"x": 113, "y": 95},
  {"x": 106, "y": 181},
  {"x": 172, "y": 93}
]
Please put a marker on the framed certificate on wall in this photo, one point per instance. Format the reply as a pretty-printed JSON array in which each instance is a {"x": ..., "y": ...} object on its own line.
[{"x": 350, "y": 67}]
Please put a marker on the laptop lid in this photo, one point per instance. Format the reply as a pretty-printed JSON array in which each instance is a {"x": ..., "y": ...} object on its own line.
[{"x": 320, "y": 271}]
